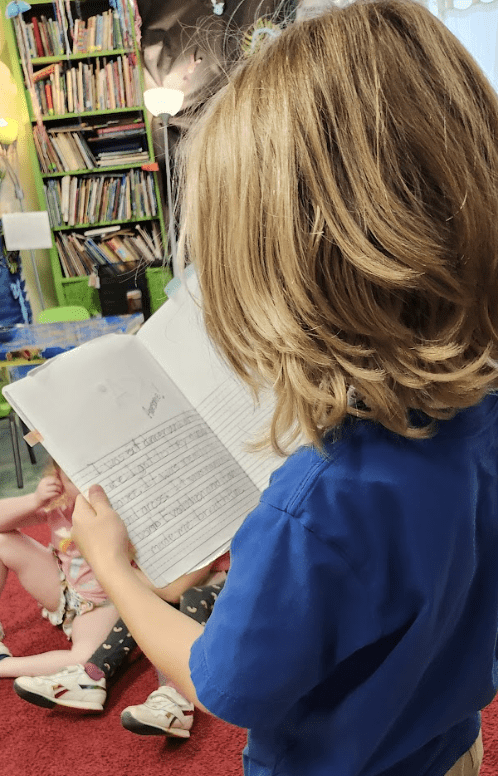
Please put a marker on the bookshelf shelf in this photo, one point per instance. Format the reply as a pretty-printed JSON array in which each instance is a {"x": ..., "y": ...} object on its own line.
[
  {"x": 97, "y": 224},
  {"x": 85, "y": 171},
  {"x": 58, "y": 117},
  {"x": 82, "y": 55},
  {"x": 92, "y": 154}
]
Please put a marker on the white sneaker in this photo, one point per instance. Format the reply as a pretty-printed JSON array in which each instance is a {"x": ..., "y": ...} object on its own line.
[
  {"x": 4, "y": 651},
  {"x": 71, "y": 687},
  {"x": 165, "y": 712}
]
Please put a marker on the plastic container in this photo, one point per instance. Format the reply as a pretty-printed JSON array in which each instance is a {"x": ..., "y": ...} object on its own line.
[{"x": 134, "y": 301}]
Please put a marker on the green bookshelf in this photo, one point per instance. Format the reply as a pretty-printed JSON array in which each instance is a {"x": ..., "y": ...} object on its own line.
[{"x": 90, "y": 129}]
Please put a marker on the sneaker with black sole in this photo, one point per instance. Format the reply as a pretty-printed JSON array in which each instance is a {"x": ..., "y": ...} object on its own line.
[
  {"x": 164, "y": 713},
  {"x": 71, "y": 687}
]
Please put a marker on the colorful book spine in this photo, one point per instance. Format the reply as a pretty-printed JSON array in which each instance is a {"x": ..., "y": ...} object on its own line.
[
  {"x": 48, "y": 97},
  {"x": 38, "y": 41},
  {"x": 45, "y": 72},
  {"x": 113, "y": 128}
]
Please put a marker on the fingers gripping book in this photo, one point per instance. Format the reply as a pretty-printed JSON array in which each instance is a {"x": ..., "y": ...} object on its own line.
[{"x": 162, "y": 424}]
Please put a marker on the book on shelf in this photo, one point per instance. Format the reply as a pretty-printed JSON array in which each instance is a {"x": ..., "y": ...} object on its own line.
[
  {"x": 106, "y": 197},
  {"x": 121, "y": 127},
  {"x": 89, "y": 86},
  {"x": 70, "y": 149},
  {"x": 124, "y": 248},
  {"x": 61, "y": 35},
  {"x": 101, "y": 230},
  {"x": 116, "y": 158},
  {"x": 173, "y": 460},
  {"x": 38, "y": 47},
  {"x": 149, "y": 242},
  {"x": 73, "y": 199}
]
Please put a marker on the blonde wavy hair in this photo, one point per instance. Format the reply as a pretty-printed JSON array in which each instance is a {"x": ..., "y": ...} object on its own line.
[{"x": 340, "y": 202}]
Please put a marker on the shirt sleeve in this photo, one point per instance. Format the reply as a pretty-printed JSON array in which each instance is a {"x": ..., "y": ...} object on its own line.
[{"x": 275, "y": 630}]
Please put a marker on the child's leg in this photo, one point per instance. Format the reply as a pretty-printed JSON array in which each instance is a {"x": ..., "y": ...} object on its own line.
[
  {"x": 34, "y": 565},
  {"x": 111, "y": 654},
  {"x": 166, "y": 711},
  {"x": 89, "y": 630},
  {"x": 80, "y": 686},
  {"x": 198, "y": 602}
]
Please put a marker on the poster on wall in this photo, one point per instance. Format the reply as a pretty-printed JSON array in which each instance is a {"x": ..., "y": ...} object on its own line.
[{"x": 14, "y": 302}]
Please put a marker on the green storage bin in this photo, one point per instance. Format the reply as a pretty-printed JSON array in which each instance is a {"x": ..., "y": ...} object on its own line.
[
  {"x": 77, "y": 291},
  {"x": 157, "y": 279}
]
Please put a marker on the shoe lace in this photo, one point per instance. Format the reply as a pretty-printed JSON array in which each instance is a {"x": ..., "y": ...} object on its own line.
[{"x": 161, "y": 699}]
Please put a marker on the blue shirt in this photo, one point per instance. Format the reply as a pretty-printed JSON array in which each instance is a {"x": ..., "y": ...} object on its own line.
[{"x": 356, "y": 633}]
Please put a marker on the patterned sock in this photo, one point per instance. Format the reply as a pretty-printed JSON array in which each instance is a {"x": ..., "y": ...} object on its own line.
[{"x": 112, "y": 653}]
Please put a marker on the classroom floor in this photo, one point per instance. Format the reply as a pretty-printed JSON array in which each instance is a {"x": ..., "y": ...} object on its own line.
[{"x": 31, "y": 473}]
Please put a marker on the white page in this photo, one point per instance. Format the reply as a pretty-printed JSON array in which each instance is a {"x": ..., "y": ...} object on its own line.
[
  {"x": 176, "y": 337},
  {"x": 110, "y": 415}
]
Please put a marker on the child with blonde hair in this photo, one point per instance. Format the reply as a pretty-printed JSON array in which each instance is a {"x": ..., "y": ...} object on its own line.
[{"x": 340, "y": 206}]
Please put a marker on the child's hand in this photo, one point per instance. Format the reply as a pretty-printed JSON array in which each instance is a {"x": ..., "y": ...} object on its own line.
[
  {"x": 99, "y": 532},
  {"x": 48, "y": 489}
]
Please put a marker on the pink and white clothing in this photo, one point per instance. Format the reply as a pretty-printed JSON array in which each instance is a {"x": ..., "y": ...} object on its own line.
[{"x": 80, "y": 590}]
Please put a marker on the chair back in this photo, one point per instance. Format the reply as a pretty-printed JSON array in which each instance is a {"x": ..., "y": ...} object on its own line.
[
  {"x": 5, "y": 407},
  {"x": 67, "y": 313}
]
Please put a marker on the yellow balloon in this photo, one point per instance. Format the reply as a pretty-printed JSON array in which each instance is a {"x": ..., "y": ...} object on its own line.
[{"x": 9, "y": 129}]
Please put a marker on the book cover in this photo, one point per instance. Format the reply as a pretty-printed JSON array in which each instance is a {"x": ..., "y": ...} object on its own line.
[
  {"x": 65, "y": 186},
  {"x": 48, "y": 97},
  {"x": 85, "y": 152},
  {"x": 73, "y": 200},
  {"x": 31, "y": 43},
  {"x": 69, "y": 89},
  {"x": 81, "y": 94},
  {"x": 64, "y": 258},
  {"x": 121, "y": 127},
  {"x": 77, "y": 24},
  {"x": 46, "y": 43},
  {"x": 55, "y": 85},
  {"x": 45, "y": 72},
  {"x": 85, "y": 187},
  {"x": 117, "y": 245},
  {"x": 38, "y": 40},
  {"x": 55, "y": 37}
]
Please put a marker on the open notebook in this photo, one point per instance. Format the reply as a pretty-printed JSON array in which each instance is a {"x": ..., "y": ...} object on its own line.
[{"x": 161, "y": 423}]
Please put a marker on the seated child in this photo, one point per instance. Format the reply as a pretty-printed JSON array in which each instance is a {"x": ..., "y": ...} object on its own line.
[
  {"x": 58, "y": 577},
  {"x": 83, "y": 687}
]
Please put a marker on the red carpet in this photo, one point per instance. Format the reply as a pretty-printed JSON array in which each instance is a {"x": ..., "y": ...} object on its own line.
[
  {"x": 39, "y": 742},
  {"x": 50, "y": 743}
]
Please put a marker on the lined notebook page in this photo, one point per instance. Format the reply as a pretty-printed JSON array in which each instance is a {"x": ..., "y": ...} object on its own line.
[
  {"x": 110, "y": 415},
  {"x": 180, "y": 493},
  {"x": 176, "y": 337}
]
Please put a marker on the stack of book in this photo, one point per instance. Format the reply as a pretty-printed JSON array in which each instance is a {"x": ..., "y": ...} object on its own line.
[
  {"x": 103, "y": 84},
  {"x": 120, "y": 143},
  {"x": 66, "y": 149},
  {"x": 62, "y": 149},
  {"x": 121, "y": 250},
  {"x": 105, "y": 197}
]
